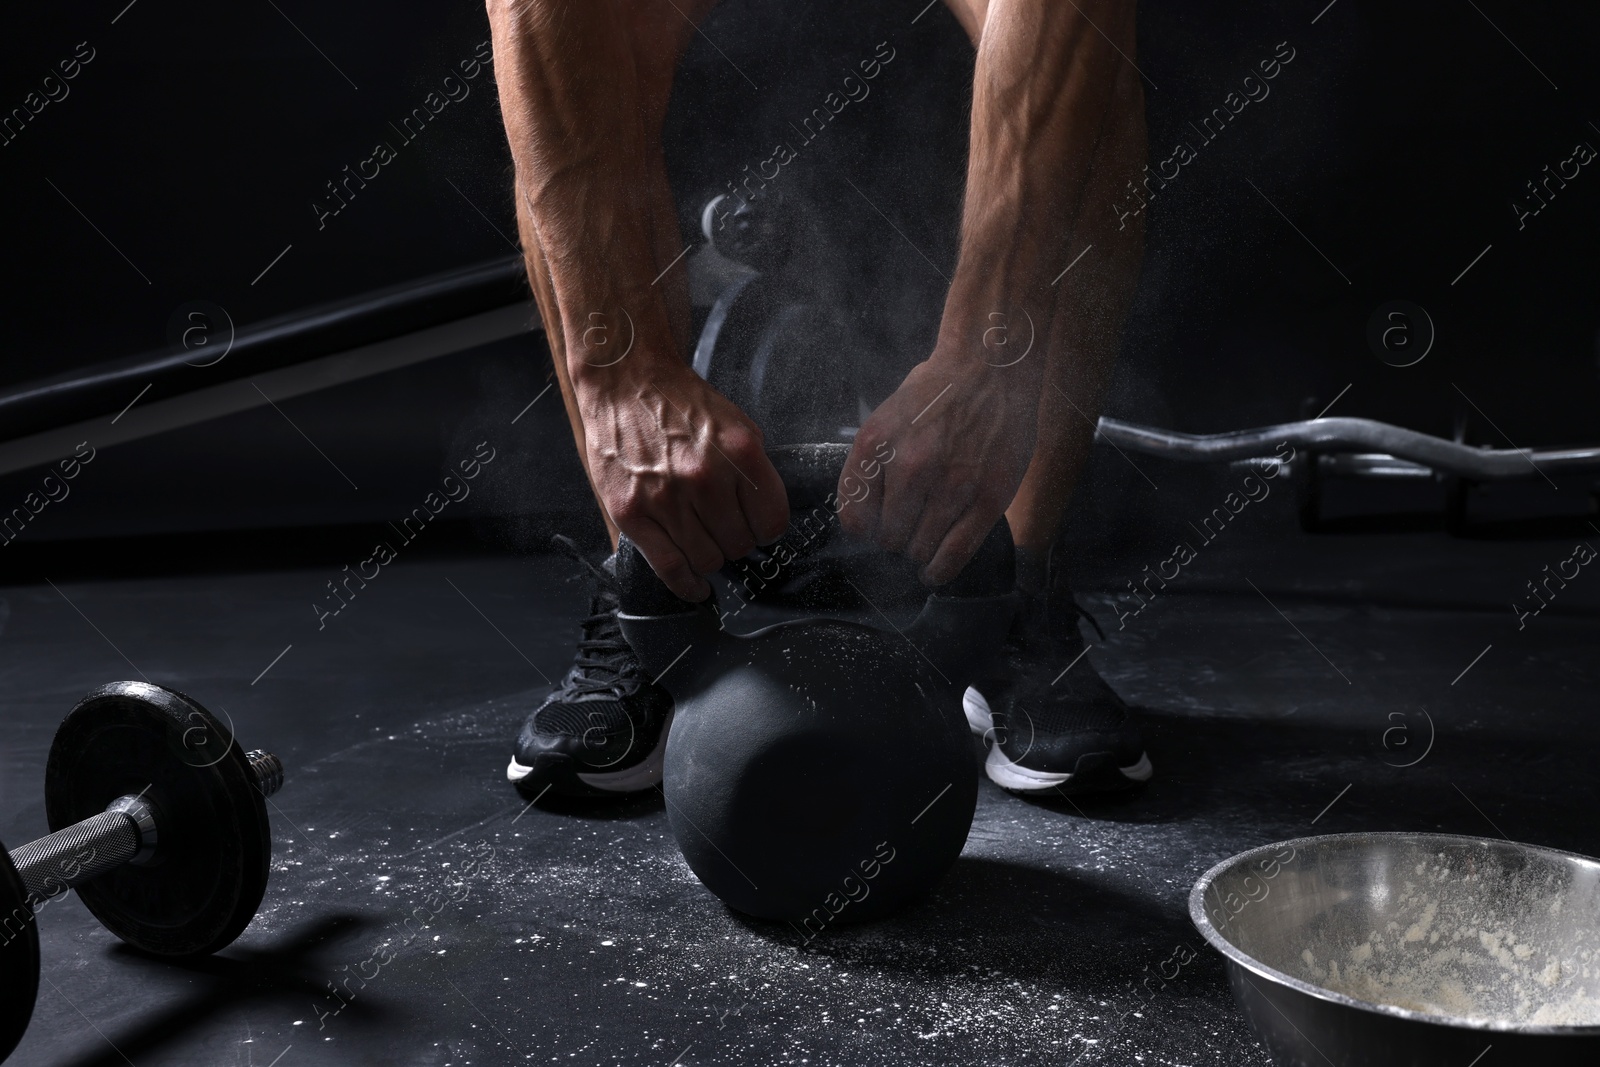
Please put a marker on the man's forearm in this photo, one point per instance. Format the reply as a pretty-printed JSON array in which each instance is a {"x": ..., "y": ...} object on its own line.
[
  {"x": 1043, "y": 96},
  {"x": 571, "y": 101}
]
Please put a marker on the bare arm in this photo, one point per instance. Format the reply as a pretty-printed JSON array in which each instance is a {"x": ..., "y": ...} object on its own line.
[
  {"x": 1050, "y": 90},
  {"x": 1043, "y": 94},
  {"x": 675, "y": 465},
  {"x": 571, "y": 101}
]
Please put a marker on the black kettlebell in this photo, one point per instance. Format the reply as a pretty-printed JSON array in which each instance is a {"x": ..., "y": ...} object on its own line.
[{"x": 818, "y": 770}]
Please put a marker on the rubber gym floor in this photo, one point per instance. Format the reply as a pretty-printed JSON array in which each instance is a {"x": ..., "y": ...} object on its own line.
[{"x": 579, "y": 936}]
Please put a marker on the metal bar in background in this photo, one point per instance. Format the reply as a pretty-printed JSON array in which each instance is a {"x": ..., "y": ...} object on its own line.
[
  {"x": 1384, "y": 448},
  {"x": 106, "y": 387},
  {"x": 186, "y": 409}
]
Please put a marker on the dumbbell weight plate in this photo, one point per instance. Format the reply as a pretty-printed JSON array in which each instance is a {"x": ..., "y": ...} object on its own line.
[
  {"x": 785, "y": 358},
  {"x": 19, "y": 957},
  {"x": 211, "y": 863}
]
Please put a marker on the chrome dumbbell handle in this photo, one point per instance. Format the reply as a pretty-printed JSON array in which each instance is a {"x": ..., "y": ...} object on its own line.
[
  {"x": 125, "y": 832},
  {"x": 85, "y": 850}
]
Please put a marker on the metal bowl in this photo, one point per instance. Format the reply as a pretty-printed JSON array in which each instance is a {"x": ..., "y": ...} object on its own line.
[{"x": 1405, "y": 950}]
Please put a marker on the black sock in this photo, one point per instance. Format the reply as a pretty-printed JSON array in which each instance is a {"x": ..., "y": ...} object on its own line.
[{"x": 1033, "y": 570}]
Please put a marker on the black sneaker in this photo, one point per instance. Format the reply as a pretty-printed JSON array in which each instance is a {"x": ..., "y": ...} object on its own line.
[
  {"x": 604, "y": 728},
  {"x": 1054, "y": 724}
]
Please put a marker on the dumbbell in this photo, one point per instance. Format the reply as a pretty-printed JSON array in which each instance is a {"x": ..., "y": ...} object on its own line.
[{"x": 158, "y": 820}]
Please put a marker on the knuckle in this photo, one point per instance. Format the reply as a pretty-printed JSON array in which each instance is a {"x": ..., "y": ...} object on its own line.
[
  {"x": 668, "y": 563},
  {"x": 626, "y": 511},
  {"x": 701, "y": 555},
  {"x": 699, "y": 477},
  {"x": 682, "y": 581},
  {"x": 741, "y": 442},
  {"x": 869, "y": 436}
]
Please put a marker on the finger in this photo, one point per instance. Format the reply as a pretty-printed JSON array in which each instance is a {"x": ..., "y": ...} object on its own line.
[
  {"x": 669, "y": 563},
  {"x": 693, "y": 539},
  {"x": 940, "y": 512},
  {"x": 762, "y": 498},
  {"x": 721, "y": 514},
  {"x": 859, "y": 513},
  {"x": 959, "y": 546},
  {"x": 905, "y": 492}
]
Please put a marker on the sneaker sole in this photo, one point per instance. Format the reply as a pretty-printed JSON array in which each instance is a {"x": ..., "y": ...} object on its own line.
[
  {"x": 646, "y": 774},
  {"x": 980, "y": 720},
  {"x": 1095, "y": 771}
]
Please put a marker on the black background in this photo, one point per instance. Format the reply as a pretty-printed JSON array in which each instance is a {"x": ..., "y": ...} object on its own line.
[{"x": 199, "y": 137}]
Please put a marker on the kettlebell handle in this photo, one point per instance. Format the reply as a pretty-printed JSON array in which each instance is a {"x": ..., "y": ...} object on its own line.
[
  {"x": 811, "y": 475},
  {"x": 961, "y": 625}
]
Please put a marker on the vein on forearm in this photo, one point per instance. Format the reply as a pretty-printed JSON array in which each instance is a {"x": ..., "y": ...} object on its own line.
[
  {"x": 1042, "y": 98},
  {"x": 570, "y": 99}
]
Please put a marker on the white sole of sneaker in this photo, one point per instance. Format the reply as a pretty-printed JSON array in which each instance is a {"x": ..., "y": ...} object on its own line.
[
  {"x": 516, "y": 772},
  {"x": 980, "y": 720},
  {"x": 645, "y": 774},
  {"x": 1017, "y": 778}
]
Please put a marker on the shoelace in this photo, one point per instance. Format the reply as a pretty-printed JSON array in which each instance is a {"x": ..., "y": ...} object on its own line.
[
  {"x": 1053, "y": 600},
  {"x": 605, "y": 662}
]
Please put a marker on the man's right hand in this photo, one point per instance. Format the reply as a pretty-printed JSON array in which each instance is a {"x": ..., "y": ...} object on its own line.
[
  {"x": 583, "y": 91},
  {"x": 680, "y": 470}
]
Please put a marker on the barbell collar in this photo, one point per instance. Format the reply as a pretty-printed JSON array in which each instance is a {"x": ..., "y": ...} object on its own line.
[{"x": 144, "y": 819}]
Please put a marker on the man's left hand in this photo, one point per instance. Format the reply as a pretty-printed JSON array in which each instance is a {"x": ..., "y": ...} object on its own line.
[{"x": 962, "y": 433}]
